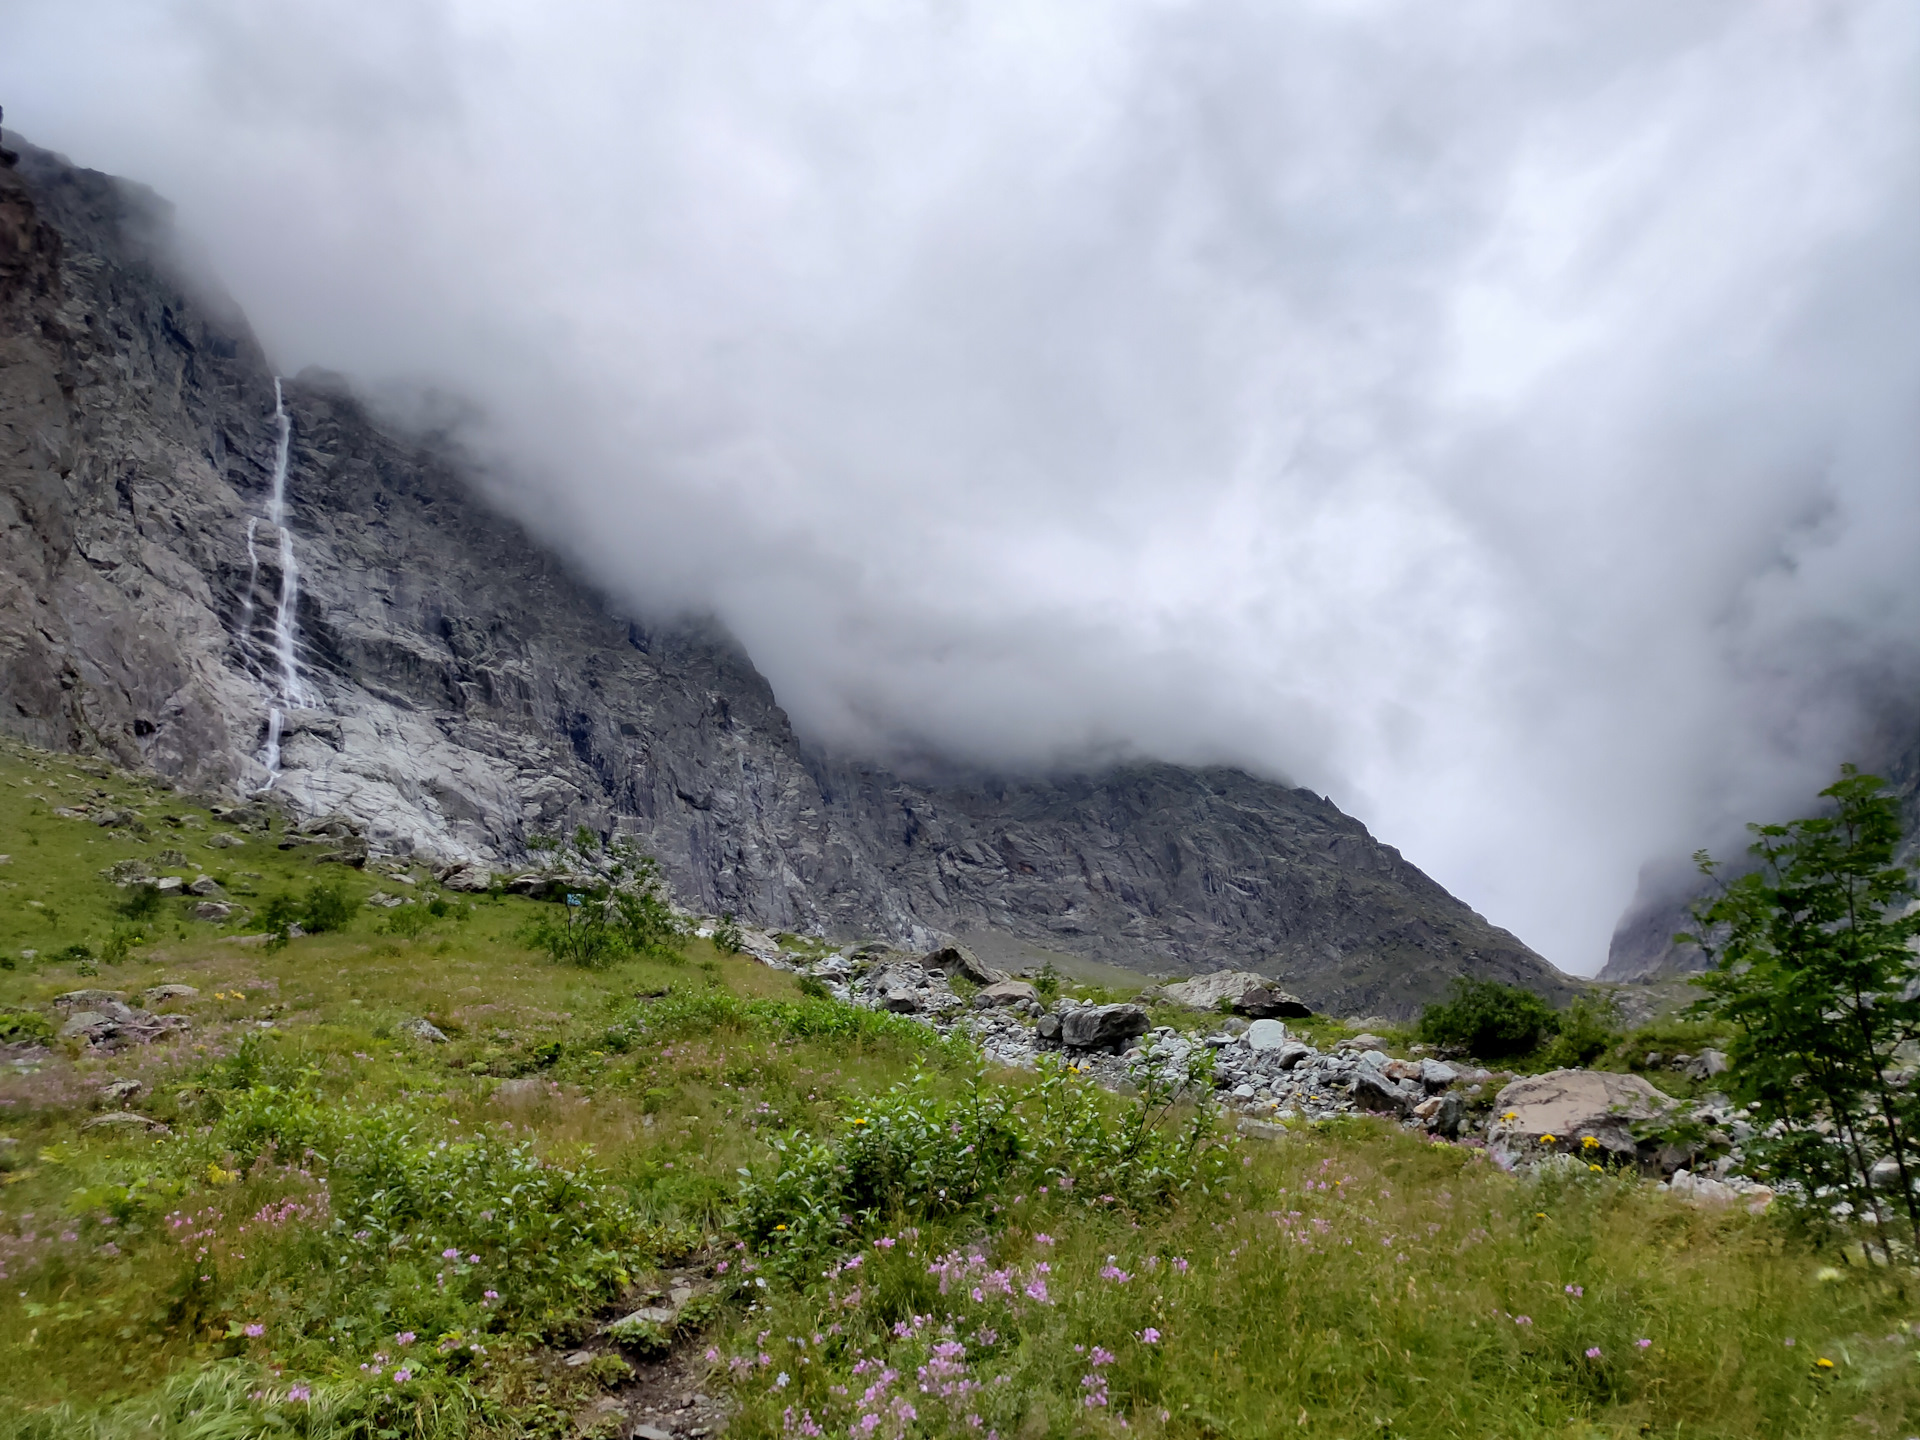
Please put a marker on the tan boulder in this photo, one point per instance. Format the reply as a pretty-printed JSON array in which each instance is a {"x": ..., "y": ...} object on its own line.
[{"x": 1563, "y": 1110}]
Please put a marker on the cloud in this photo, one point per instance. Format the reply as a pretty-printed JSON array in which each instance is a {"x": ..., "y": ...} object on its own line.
[{"x": 1497, "y": 416}]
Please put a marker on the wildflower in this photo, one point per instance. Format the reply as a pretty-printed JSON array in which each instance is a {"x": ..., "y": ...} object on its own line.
[
  {"x": 402, "y": 1375},
  {"x": 1789, "y": 1342},
  {"x": 1598, "y": 1169},
  {"x": 1523, "y": 1319},
  {"x": 1575, "y": 1291},
  {"x": 1115, "y": 1274},
  {"x": 254, "y": 1332},
  {"x": 1547, "y": 1139},
  {"x": 300, "y": 1394},
  {"x": 473, "y": 1259},
  {"x": 449, "y": 1254},
  {"x": 405, "y": 1337},
  {"x": 1511, "y": 1115},
  {"x": 721, "y": 1268},
  {"x": 1043, "y": 1239},
  {"x": 1180, "y": 1264},
  {"x": 1150, "y": 1335},
  {"x": 1641, "y": 1344},
  {"x": 885, "y": 1242},
  {"x": 780, "y": 1381},
  {"x": 1824, "y": 1363},
  {"x": 779, "y": 1227},
  {"x": 1593, "y": 1352},
  {"x": 713, "y": 1355}
]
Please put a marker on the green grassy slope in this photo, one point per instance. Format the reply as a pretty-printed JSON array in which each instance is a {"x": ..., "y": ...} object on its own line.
[{"x": 345, "y": 1230}]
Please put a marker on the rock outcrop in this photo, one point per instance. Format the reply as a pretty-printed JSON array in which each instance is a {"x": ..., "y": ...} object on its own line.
[{"x": 462, "y": 690}]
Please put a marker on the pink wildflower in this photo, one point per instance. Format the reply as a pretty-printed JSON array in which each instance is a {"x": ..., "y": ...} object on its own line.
[
  {"x": 1150, "y": 1335},
  {"x": 254, "y": 1332}
]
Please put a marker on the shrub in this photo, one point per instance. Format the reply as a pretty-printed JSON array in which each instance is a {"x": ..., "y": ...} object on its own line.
[
  {"x": 1489, "y": 1020},
  {"x": 1589, "y": 1027},
  {"x": 142, "y": 902},
  {"x": 406, "y": 921},
  {"x": 727, "y": 936},
  {"x": 577, "y": 934},
  {"x": 325, "y": 907},
  {"x": 917, "y": 1153}
]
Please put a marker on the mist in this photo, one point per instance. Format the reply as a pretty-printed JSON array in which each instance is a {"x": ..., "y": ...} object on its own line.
[{"x": 1503, "y": 418}]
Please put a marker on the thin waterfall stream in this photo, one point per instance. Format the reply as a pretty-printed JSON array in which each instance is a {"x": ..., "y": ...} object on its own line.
[{"x": 289, "y": 691}]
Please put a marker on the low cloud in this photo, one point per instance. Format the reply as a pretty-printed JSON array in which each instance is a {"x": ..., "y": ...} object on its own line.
[{"x": 1497, "y": 416}]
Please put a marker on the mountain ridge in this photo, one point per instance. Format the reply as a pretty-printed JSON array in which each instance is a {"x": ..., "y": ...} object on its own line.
[{"x": 469, "y": 690}]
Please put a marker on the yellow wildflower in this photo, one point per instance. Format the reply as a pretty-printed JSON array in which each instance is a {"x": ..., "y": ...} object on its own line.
[
  {"x": 1590, "y": 1143},
  {"x": 1824, "y": 1363},
  {"x": 1546, "y": 1139},
  {"x": 1600, "y": 1168}
]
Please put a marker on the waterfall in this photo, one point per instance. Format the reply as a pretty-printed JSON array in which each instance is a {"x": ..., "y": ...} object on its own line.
[{"x": 289, "y": 691}]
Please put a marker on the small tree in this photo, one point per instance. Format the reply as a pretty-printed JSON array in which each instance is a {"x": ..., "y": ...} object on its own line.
[
  {"x": 1812, "y": 970},
  {"x": 646, "y": 921}
]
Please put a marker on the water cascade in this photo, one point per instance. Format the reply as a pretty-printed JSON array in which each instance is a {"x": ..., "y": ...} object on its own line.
[{"x": 289, "y": 692}]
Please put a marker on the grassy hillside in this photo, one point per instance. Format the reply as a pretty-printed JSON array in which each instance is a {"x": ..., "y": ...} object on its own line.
[{"x": 336, "y": 1227}]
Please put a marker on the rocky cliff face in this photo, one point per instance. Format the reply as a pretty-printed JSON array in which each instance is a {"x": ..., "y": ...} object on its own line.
[
  {"x": 1643, "y": 949},
  {"x": 455, "y": 689}
]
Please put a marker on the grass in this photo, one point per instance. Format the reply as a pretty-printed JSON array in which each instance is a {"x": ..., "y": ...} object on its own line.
[{"x": 330, "y": 1180}]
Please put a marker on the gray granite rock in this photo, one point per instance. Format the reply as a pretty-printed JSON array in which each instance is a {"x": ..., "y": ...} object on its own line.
[{"x": 469, "y": 691}]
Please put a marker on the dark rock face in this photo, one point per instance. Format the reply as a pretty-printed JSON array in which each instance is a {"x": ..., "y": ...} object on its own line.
[{"x": 467, "y": 691}]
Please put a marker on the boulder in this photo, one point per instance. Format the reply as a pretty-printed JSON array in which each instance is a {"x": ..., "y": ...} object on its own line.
[
  {"x": 119, "y": 1092},
  {"x": 1374, "y": 1091},
  {"x": 1437, "y": 1074},
  {"x": 472, "y": 879},
  {"x": 422, "y": 1029},
  {"x": 1292, "y": 1053},
  {"x": 86, "y": 999},
  {"x": 1269, "y": 1002},
  {"x": 1707, "y": 1064},
  {"x": 1266, "y": 1035},
  {"x": 1402, "y": 1070},
  {"x": 1363, "y": 1042},
  {"x": 900, "y": 998},
  {"x": 1006, "y": 992},
  {"x": 1100, "y": 1027},
  {"x": 958, "y": 960},
  {"x": 120, "y": 1120},
  {"x": 206, "y": 887},
  {"x": 224, "y": 840},
  {"x": 1205, "y": 992},
  {"x": 86, "y": 1025},
  {"x": 216, "y": 911},
  {"x": 1573, "y": 1106},
  {"x": 1047, "y": 1028},
  {"x": 160, "y": 994},
  {"x": 170, "y": 885}
]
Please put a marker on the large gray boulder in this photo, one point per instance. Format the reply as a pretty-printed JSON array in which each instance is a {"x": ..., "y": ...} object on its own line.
[
  {"x": 1007, "y": 992},
  {"x": 1102, "y": 1027},
  {"x": 958, "y": 960}
]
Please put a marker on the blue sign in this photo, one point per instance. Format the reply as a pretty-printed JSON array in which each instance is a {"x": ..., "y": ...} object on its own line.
[{"x": 574, "y": 900}]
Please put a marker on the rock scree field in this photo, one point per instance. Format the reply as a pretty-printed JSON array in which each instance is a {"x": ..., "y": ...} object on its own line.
[{"x": 299, "y": 1141}]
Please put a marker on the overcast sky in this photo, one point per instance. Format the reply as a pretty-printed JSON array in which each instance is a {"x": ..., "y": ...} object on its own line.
[{"x": 1504, "y": 417}]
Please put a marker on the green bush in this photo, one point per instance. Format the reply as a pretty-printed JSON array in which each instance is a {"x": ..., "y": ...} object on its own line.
[
  {"x": 1589, "y": 1027},
  {"x": 325, "y": 907},
  {"x": 17, "y": 1026},
  {"x": 142, "y": 902},
  {"x": 917, "y": 1152},
  {"x": 406, "y": 921},
  {"x": 727, "y": 936},
  {"x": 1489, "y": 1020}
]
